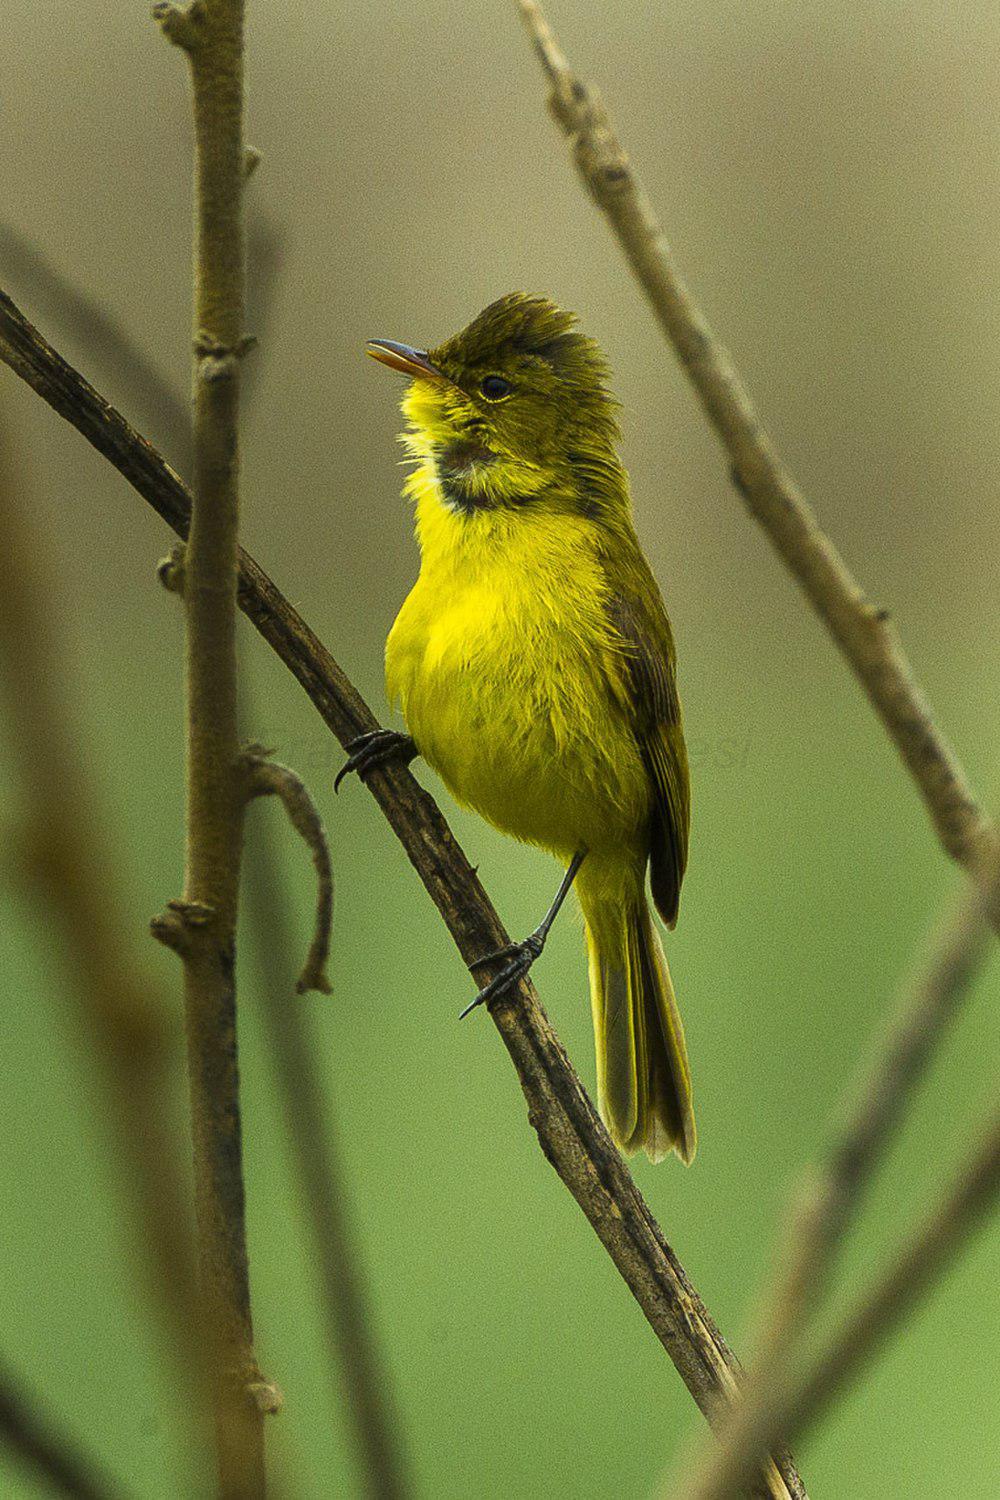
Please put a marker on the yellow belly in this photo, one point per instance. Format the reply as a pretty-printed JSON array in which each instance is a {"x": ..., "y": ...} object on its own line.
[{"x": 504, "y": 679}]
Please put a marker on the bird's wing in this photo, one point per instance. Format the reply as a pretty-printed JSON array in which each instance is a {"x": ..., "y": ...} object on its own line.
[{"x": 654, "y": 711}]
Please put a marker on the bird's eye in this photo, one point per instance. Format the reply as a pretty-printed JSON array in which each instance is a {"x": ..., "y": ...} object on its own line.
[{"x": 495, "y": 388}]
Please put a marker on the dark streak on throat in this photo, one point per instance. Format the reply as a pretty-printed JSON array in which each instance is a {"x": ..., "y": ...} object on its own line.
[
  {"x": 456, "y": 469},
  {"x": 463, "y": 454}
]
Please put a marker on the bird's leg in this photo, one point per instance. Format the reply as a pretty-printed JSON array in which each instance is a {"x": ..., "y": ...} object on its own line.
[
  {"x": 523, "y": 955},
  {"x": 374, "y": 749}
]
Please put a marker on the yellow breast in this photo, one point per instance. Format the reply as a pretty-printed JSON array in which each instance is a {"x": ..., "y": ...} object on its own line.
[{"x": 503, "y": 663}]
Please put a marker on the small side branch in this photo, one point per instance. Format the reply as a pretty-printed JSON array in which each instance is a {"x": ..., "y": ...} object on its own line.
[
  {"x": 266, "y": 778},
  {"x": 181, "y": 24},
  {"x": 569, "y": 1129},
  {"x": 863, "y": 632}
]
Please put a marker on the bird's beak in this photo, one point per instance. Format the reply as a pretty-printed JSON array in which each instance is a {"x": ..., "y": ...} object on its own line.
[{"x": 412, "y": 362}]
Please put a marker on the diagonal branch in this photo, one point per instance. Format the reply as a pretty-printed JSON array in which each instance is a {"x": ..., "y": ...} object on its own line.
[
  {"x": 923, "y": 1258},
  {"x": 878, "y": 1313},
  {"x": 570, "y": 1132},
  {"x": 771, "y": 1395},
  {"x": 47, "y": 1452},
  {"x": 863, "y": 632},
  {"x": 926, "y": 1009}
]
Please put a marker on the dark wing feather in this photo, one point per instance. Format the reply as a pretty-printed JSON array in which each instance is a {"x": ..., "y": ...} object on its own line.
[{"x": 656, "y": 720}]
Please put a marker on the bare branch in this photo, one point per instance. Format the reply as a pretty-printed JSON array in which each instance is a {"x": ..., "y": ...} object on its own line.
[
  {"x": 112, "y": 347},
  {"x": 62, "y": 854},
  {"x": 828, "y": 1201},
  {"x": 202, "y": 927},
  {"x": 863, "y": 632},
  {"x": 48, "y": 1453},
  {"x": 94, "y": 328},
  {"x": 570, "y": 1132},
  {"x": 269, "y": 779},
  {"x": 922, "y": 1261},
  {"x": 796, "y": 1406},
  {"x": 347, "y": 1318}
]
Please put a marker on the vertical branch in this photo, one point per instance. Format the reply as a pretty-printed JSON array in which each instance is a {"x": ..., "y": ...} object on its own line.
[
  {"x": 570, "y": 1132},
  {"x": 202, "y": 927}
]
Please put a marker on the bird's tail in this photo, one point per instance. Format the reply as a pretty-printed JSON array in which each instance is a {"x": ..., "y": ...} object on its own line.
[{"x": 643, "y": 1079}]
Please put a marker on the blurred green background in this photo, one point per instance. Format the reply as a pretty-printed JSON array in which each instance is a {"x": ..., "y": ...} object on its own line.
[{"x": 828, "y": 177}]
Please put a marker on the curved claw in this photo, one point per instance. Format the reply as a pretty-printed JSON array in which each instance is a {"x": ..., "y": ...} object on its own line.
[
  {"x": 522, "y": 956},
  {"x": 372, "y": 749},
  {"x": 508, "y": 951}
]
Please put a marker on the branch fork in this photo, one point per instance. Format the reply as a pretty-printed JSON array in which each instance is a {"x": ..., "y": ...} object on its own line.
[
  {"x": 569, "y": 1130},
  {"x": 184, "y": 25}
]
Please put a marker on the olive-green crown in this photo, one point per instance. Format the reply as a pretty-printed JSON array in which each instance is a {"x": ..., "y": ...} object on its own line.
[{"x": 519, "y": 324}]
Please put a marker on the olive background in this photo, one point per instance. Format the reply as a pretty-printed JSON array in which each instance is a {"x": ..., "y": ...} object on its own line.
[{"x": 828, "y": 180}]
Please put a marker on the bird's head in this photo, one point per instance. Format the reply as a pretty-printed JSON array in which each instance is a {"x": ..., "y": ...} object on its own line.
[{"x": 514, "y": 409}]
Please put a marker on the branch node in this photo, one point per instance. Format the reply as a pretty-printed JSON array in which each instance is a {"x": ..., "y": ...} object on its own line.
[
  {"x": 265, "y": 1395},
  {"x": 180, "y": 24},
  {"x": 216, "y": 360},
  {"x": 251, "y": 161},
  {"x": 170, "y": 569},
  {"x": 191, "y": 913},
  {"x": 168, "y": 929},
  {"x": 267, "y": 778},
  {"x": 175, "y": 925}
]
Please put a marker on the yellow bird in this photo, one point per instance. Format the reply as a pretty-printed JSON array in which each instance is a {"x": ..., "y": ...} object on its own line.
[{"x": 535, "y": 667}]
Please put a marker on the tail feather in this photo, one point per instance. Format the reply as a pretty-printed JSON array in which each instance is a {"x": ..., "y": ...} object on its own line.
[
  {"x": 643, "y": 1078},
  {"x": 620, "y": 1052}
]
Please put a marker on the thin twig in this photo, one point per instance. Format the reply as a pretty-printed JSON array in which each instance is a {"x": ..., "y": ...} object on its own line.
[
  {"x": 62, "y": 853},
  {"x": 824, "y": 1208},
  {"x": 92, "y": 327},
  {"x": 347, "y": 1317},
  {"x": 885, "y": 1306},
  {"x": 203, "y": 925},
  {"x": 269, "y": 779},
  {"x": 570, "y": 1132},
  {"x": 47, "y": 1452},
  {"x": 880, "y": 1311},
  {"x": 926, "y": 1008},
  {"x": 164, "y": 413},
  {"x": 862, "y": 631}
]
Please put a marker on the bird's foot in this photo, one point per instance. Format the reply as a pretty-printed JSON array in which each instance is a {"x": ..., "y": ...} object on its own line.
[
  {"x": 374, "y": 749},
  {"x": 520, "y": 955}
]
